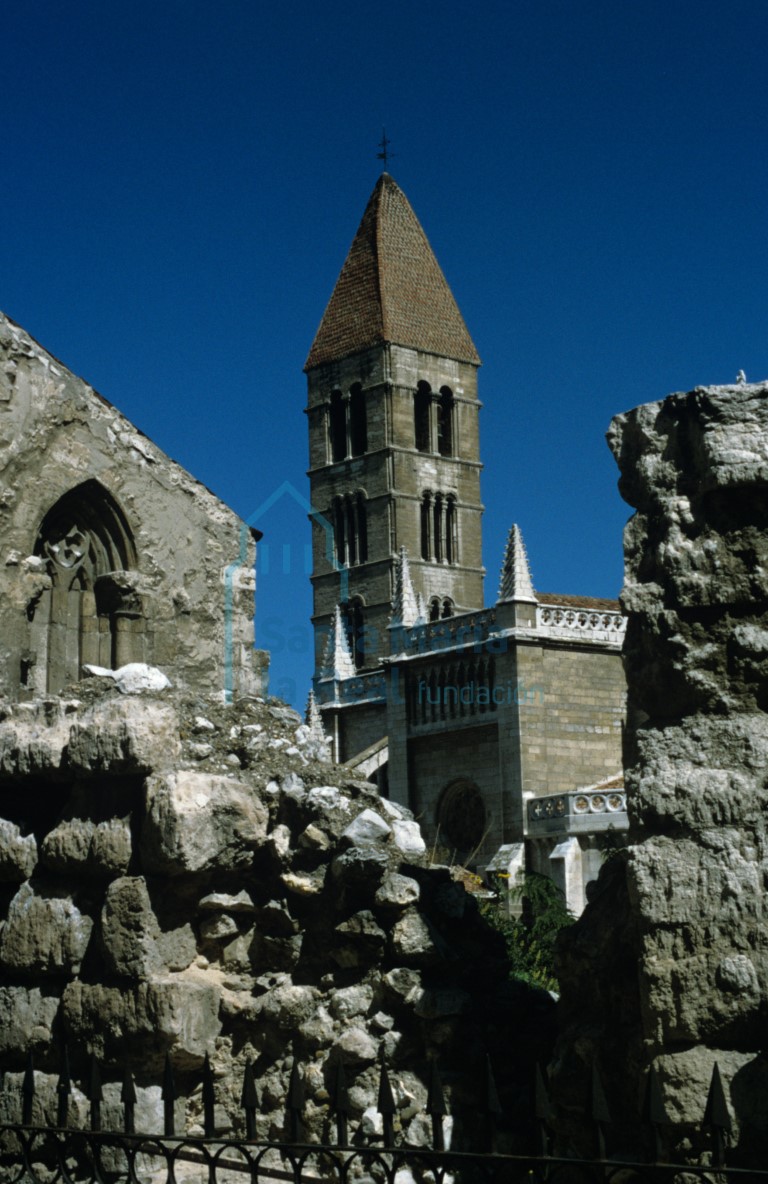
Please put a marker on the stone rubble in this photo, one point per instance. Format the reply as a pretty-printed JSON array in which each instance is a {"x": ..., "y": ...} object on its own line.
[
  {"x": 158, "y": 897},
  {"x": 669, "y": 964}
]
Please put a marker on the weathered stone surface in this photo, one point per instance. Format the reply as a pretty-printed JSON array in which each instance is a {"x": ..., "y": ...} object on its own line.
[
  {"x": 397, "y": 891},
  {"x": 18, "y": 853},
  {"x": 26, "y": 1018},
  {"x": 34, "y": 739},
  {"x": 687, "y": 905},
  {"x": 190, "y": 911},
  {"x": 367, "y": 829},
  {"x": 413, "y": 939},
  {"x": 44, "y": 933},
  {"x": 125, "y": 736},
  {"x": 79, "y": 846},
  {"x": 170, "y": 1013},
  {"x": 197, "y": 821},
  {"x": 128, "y": 929},
  {"x": 88, "y": 494}
]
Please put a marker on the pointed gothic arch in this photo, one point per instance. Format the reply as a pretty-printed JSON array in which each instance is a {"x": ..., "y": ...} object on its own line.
[{"x": 92, "y": 611}]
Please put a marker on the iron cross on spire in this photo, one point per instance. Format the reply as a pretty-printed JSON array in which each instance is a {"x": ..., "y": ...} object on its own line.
[{"x": 384, "y": 155}]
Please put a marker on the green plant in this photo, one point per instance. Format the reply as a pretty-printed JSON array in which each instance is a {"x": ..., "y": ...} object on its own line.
[{"x": 530, "y": 937}]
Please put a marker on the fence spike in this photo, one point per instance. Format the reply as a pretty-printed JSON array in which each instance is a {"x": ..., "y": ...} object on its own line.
[
  {"x": 542, "y": 1108},
  {"x": 63, "y": 1089},
  {"x": 209, "y": 1098},
  {"x": 385, "y": 1104},
  {"x": 653, "y": 1111},
  {"x": 717, "y": 1116},
  {"x": 28, "y": 1091},
  {"x": 716, "y": 1110},
  {"x": 94, "y": 1092},
  {"x": 436, "y": 1106},
  {"x": 542, "y": 1104},
  {"x": 168, "y": 1094},
  {"x": 128, "y": 1098},
  {"x": 249, "y": 1099},
  {"x": 599, "y": 1112},
  {"x": 340, "y": 1105},
  {"x": 295, "y": 1101},
  {"x": 492, "y": 1103}
]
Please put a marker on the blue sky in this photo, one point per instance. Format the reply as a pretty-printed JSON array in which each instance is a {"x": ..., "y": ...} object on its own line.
[{"x": 181, "y": 182}]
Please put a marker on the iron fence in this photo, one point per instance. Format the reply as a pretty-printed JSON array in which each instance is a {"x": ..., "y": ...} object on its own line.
[{"x": 56, "y": 1153}]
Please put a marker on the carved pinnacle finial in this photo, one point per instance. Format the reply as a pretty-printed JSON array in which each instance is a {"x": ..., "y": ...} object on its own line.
[
  {"x": 516, "y": 583},
  {"x": 405, "y": 608},
  {"x": 337, "y": 662}
]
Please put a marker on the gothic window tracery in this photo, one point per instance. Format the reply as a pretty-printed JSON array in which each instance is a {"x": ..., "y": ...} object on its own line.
[{"x": 91, "y": 611}]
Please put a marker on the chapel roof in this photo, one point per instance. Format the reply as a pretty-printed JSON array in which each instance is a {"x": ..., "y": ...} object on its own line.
[{"x": 391, "y": 289}]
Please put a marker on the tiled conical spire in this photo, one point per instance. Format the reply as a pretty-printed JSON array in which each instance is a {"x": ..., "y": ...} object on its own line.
[
  {"x": 516, "y": 583},
  {"x": 405, "y": 608},
  {"x": 337, "y": 661},
  {"x": 391, "y": 289}
]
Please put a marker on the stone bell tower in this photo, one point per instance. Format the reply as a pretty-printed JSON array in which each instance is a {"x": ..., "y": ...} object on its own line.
[{"x": 393, "y": 438}]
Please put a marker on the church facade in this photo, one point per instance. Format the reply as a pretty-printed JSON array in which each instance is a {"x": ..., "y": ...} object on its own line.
[{"x": 498, "y": 725}]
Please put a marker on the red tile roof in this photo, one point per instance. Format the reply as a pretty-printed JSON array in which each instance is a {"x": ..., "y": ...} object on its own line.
[
  {"x": 391, "y": 289},
  {"x": 593, "y": 602}
]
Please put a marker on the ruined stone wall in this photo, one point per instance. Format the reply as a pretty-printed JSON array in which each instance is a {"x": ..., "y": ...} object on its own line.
[
  {"x": 111, "y": 552},
  {"x": 669, "y": 965},
  {"x": 180, "y": 877}
]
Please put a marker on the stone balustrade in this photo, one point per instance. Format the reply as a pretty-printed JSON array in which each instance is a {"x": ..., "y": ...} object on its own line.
[
  {"x": 563, "y": 620},
  {"x": 578, "y": 811}
]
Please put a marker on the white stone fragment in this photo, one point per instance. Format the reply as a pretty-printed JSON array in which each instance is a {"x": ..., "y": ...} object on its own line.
[
  {"x": 133, "y": 678},
  {"x": 368, "y": 828},
  {"x": 407, "y": 837}
]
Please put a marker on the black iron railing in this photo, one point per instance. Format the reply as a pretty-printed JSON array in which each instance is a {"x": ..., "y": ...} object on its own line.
[{"x": 37, "y": 1153}]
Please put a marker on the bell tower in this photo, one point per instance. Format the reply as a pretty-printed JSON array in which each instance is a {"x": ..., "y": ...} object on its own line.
[{"x": 394, "y": 449}]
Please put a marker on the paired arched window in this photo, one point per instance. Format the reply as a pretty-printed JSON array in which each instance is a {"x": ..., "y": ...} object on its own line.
[
  {"x": 347, "y": 424},
  {"x": 350, "y": 529},
  {"x": 433, "y": 419},
  {"x": 439, "y": 533},
  {"x": 440, "y": 609},
  {"x": 92, "y": 611}
]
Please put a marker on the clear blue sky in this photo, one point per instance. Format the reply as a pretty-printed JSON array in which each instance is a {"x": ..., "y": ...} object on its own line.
[{"x": 181, "y": 182}]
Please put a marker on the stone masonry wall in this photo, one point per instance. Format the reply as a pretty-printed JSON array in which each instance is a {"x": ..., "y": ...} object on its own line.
[
  {"x": 190, "y": 551},
  {"x": 669, "y": 964},
  {"x": 180, "y": 877}
]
